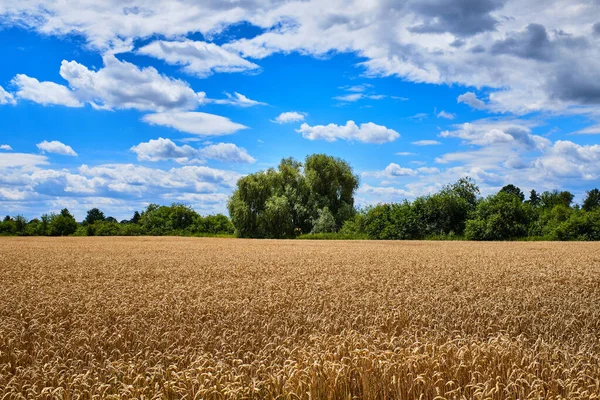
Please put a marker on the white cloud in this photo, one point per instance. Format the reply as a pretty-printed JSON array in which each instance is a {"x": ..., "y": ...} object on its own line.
[
  {"x": 163, "y": 149},
  {"x": 45, "y": 93},
  {"x": 379, "y": 194},
  {"x": 198, "y": 123},
  {"x": 120, "y": 84},
  {"x": 237, "y": 99},
  {"x": 227, "y": 152},
  {"x": 366, "y": 133},
  {"x": 5, "y": 147},
  {"x": 428, "y": 170},
  {"x": 405, "y": 153},
  {"x": 525, "y": 51},
  {"x": 56, "y": 147},
  {"x": 352, "y": 97},
  {"x": 590, "y": 130},
  {"x": 290, "y": 116},
  {"x": 197, "y": 58},
  {"x": 426, "y": 143},
  {"x": 12, "y": 160},
  {"x": 488, "y": 132},
  {"x": 418, "y": 116},
  {"x": 393, "y": 170},
  {"x": 471, "y": 99},
  {"x": 6, "y": 98},
  {"x": 446, "y": 115}
]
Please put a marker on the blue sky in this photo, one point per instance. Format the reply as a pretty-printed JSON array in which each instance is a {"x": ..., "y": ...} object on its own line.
[{"x": 121, "y": 106}]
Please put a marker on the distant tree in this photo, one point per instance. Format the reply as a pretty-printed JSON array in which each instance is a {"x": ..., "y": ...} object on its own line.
[
  {"x": 20, "y": 224},
  {"x": 551, "y": 199},
  {"x": 136, "y": 218},
  {"x": 534, "y": 198},
  {"x": 7, "y": 218},
  {"x": 396, "y": 221},
  {"x": 592, "y": 200},
  {"x": 277, "y": 218},
  {"x": 512, "y": 189},
  {"x": 44, "y": 227},
  {"x": 94, "y": 215},
  {"x": 8, "y": 227},
  {"x": 279, "y": 202},
  {"x": 112, "y": 220},
  {"x": 325, "y": 223},
  {"x": 62, "y": 224},
  {"x": 499, "y": 217},
  {"x": 332, "y": 184},
  {"x": 448, "y": 210}
]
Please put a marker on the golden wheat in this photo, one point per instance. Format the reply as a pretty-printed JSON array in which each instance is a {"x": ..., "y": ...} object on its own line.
[{"x": 150, "y": 318}]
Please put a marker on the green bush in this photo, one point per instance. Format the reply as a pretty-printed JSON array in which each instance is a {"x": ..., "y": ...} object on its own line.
[{"x": 501, "y": 216}]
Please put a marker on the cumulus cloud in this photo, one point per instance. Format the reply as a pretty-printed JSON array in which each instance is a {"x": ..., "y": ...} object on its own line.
[
  {"x": 366, "y": 133},
  {"x": 393, "y": 170},
  {"x": 533, "y": 43},
  {"x": 227, "y": 152},
  {"x": 493, "y": 132},
  {"x": 197, "y": 58},
  {"x": 428, "y": 41},
  {"x": 471, "y": 99},
  {"x": 385, "y": 193},
  {"x": 56, "y": 147},
  {"x": 198, "y": 123},
  {"x": 12, "y": 160},
  {"x": 426, "y": 143},
  {"x": 289, "y": 116},
  {"x": 45, "y": 93},
  {"x": 6, "y": 98},
  {"x": 5, "y": 147},
  {"x": 460, "y": 17},
  {"x": 163, "y": 149},
  {"x": 120, "y": 84}
]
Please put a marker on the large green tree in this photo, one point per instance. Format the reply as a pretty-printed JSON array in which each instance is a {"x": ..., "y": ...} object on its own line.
[{"x": 292, "y": 198}]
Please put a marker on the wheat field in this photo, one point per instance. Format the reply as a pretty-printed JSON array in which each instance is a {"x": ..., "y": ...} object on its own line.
[{"x": 175, "y": 318}]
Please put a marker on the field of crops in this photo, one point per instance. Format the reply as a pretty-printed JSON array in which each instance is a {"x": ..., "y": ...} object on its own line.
[{"x": 225, "y": 318}]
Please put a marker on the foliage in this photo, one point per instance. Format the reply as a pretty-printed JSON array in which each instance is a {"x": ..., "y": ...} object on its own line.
[
  {"x": 512, "y": 189},
  {"x": 499, "y": 217},
  {"x": 62, "y": 224},
  {"x": 281, "y": 202},
  {"x": 325, "y": 223},
  {"x": 592, "y": 200},
  {"x": 393, "y": 222},
  {"x": 94, "y": 215}
]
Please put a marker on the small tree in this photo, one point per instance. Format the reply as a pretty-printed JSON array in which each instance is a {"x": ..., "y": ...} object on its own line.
[
  {"x": 534, "y": 198},
  {"x": 499, "y": 217},
  {"x": 94, "y": 215},
  {"x": 592, "y": 200},
  {"x": 62, "y": 224},
  {"x": 325, "y": 222},
  {"x": 512, "y": 189},
  {"x": 136, "y": 218}
]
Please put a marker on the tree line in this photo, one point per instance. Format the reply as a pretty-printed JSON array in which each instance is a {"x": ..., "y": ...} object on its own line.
[
  {"x": 155, "y": 220},
  {"x": 315, "y": 199}
]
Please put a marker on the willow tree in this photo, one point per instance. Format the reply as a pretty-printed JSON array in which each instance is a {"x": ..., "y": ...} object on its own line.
[{"x": 281, "y": 202}]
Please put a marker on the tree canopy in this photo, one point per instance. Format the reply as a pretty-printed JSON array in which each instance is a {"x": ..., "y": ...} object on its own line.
[{"x": 295, "y": 197}]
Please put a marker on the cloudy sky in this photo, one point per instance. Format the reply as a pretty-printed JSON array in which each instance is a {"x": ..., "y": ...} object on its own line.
[{"x": 118, "y": 104}]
